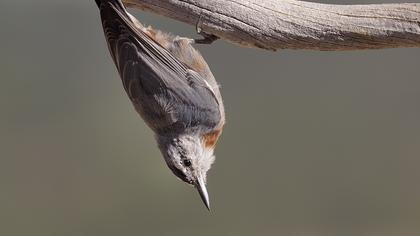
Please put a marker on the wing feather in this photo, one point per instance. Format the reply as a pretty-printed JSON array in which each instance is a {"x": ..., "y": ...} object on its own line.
[{"x": 166, "y": 93}]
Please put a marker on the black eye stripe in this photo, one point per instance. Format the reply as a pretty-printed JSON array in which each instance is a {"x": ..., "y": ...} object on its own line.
[
  {"x": 178, "y": 172},
  {"x": 181, "y": 151},
  {"x": 184, "y": 160}
]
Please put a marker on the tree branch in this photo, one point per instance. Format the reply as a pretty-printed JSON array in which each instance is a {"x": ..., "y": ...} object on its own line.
[{"x": 281, "y": 24}]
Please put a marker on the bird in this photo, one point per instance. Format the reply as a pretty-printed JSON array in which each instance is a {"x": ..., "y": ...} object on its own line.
[{"x": 172, "y": 88}]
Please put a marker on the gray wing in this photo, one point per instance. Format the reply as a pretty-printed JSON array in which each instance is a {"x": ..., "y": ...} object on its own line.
[{"x": 164, "y": 91}]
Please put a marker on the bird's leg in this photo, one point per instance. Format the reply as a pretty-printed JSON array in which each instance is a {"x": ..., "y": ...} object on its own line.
[{"x": 207, "y": 38}]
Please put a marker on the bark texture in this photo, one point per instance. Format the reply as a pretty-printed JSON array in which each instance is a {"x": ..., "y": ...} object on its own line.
[{"x": 291, "y": 24}]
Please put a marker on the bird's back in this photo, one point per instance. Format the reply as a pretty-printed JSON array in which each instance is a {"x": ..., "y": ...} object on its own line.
[{"x": 167, "y": 80}]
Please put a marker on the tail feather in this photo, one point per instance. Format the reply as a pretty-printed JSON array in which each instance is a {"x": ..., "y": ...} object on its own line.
[
  {"x": 108, "y": 8},
  {"x": 114, "y": 2},
  {"x": 98, "y": 3}
]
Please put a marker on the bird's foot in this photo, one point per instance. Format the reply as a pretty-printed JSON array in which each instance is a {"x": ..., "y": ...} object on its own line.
[{"x": 207, "y": 38}]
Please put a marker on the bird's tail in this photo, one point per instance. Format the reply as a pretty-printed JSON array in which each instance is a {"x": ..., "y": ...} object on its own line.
[
  {"x": 112, "y": 8},
  {"x": 116, "y": 3}
]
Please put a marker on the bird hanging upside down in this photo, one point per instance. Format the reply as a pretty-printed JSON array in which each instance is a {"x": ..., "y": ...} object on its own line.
[{"x": 171, "y": 87}]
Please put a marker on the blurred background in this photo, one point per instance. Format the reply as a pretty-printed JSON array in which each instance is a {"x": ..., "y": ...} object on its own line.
[{"x": 316, "y": 143}]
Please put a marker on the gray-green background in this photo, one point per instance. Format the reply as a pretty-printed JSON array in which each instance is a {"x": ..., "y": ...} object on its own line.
[{"x": 316, "y": 143}]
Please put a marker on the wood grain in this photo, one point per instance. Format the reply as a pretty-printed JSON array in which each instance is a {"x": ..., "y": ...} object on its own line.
[{"x": 291, "y": 24}]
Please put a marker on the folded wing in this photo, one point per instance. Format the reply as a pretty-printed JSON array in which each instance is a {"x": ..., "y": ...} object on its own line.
[{"x": 166, "y": 93}]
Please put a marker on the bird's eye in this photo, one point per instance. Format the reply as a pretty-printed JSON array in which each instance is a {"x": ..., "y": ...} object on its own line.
[{"x": 187, "y": 163}]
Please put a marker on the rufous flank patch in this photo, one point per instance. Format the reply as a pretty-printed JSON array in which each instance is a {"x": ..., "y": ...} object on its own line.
[{"x": 210, "y": 139}]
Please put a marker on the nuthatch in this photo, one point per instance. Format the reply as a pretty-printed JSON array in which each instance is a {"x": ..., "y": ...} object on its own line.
[{"x": 171, "y": 87}]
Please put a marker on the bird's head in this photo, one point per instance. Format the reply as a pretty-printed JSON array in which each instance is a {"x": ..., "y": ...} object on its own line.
[{"x": 189, "y": 157}]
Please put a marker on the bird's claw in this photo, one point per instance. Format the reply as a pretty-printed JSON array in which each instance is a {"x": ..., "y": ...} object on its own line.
[{"x": 207, "y": 38}]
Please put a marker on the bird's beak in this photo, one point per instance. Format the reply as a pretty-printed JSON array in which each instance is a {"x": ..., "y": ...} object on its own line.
[{"x": 202, "y": 190}]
